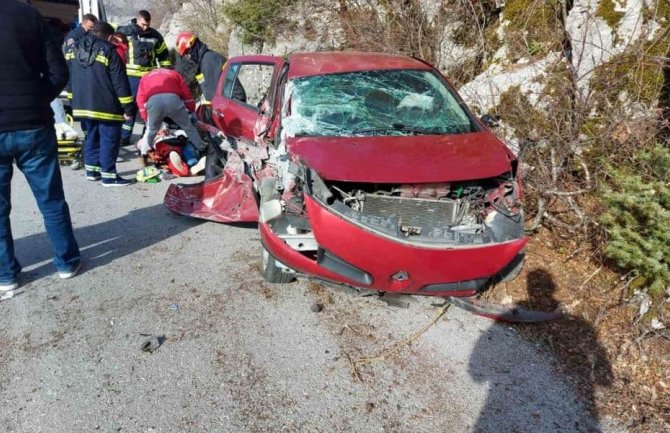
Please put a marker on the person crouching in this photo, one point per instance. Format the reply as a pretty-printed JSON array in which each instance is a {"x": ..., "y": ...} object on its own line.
[
  {"x": 163, "y": 93},
  {"x": 101, "y": 100}
]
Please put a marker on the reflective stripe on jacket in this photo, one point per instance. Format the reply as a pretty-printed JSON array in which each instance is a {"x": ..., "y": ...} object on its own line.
[
  {"x": 99, "y": 84},
  {"x": 146, "y": 50}
]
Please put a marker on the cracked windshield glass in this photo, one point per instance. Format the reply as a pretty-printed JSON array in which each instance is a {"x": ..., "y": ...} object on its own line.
[{"x": 396, "y": 102}]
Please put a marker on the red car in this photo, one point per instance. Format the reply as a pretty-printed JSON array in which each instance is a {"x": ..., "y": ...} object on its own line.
[{"x": 362, "y": 169}]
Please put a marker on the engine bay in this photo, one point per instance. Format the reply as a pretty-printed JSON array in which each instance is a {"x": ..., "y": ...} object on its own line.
[{"x": 460, "y": 213}]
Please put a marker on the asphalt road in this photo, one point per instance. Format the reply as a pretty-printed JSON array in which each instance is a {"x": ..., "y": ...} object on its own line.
[{"x": 239, "y": 355}]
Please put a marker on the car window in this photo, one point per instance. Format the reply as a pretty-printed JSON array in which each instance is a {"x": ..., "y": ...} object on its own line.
[
  {"x": 248, "y": 83},
  {"x": 230, "y": 80},
  {"x": 387, "y": 102}
]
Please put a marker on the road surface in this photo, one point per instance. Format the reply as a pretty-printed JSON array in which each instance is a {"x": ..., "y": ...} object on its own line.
[{"x": 237, "y": 354}]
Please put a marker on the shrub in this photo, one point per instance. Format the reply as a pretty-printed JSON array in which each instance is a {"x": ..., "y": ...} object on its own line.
[
  {"x": 258, "y": 19},
  {"x": 637, "y": 199}
]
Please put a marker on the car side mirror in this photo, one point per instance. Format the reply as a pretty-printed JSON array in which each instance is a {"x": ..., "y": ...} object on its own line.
[{"x": 490, "y": 120}]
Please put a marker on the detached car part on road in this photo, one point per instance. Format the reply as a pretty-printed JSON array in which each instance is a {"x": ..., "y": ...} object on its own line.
[{"x": 365, "y": 170}]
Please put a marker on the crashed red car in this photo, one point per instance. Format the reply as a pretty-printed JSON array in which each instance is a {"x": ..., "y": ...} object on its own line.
[{"x": 362, "y": 169}]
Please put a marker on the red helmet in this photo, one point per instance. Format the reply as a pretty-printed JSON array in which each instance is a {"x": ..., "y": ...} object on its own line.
[{"x": 184, "y": 42}]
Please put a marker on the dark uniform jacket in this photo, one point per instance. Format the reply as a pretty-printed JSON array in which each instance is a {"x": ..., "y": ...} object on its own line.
[
  {"x": 74, "y": 36},
  {"x": 33, "y": 70},
  {"x": 146, "y": 50},
  {"x": 210, "y": 65},
  {"x": 99, "y": 85}
]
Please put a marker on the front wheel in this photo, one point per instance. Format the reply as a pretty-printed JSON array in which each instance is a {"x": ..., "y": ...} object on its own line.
[{"x": 272, "y": 273}]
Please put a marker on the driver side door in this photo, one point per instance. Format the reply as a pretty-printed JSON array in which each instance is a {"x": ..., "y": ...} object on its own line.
[{"x": 243, "y": 85}]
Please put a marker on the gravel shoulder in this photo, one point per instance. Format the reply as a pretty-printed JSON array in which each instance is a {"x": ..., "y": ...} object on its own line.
[{"x": 240, "y": 355}]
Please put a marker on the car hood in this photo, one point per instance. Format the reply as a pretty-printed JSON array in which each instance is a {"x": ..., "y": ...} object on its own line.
[{"x": 411, "y": 159}]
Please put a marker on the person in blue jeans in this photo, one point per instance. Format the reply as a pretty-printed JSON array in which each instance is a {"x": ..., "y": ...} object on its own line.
[{"x": 33, "y": 74}]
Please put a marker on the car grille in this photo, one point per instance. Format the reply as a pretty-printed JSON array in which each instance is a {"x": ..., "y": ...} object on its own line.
[{"x": 414, "y": 212}]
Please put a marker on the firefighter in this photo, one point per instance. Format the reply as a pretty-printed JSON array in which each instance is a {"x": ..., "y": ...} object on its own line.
[
  {"x": 87, "y": 23},
  {"x": 146, "y": 51},
  {"x": 101, "y": 100},
  {"x": 209, "y": 67},
  {"x": 164, "y": 93}
]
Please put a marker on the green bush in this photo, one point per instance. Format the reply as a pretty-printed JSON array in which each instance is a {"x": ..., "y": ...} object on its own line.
[
  {"x": 258, "y": 19},
  {"x": 637, "y": 217}
]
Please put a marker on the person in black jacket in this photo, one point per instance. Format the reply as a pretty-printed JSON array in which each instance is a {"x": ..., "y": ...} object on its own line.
[
  {"x": 101, "y": 100},
  {"x": 146, "y": 51},
  {"x": 33, "y": 73},
  {"x": 209, "y": 64},
  {"x": 87, "y": 23}
]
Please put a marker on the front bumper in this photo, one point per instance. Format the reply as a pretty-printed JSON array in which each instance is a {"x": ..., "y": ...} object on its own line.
[{"x": 392, "y": 265}]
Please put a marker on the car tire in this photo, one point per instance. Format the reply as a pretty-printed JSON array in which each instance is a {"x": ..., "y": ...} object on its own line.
[
  {"x": 513, "y": 269},
  {"x": 271, "y": 272}
]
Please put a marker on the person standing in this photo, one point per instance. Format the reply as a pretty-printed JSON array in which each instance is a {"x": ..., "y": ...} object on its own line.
[
  {"x": 87, "y": 23},
  {"x": 146, "y": 51},
  {"x": 209, "y": 67},
  {"x": 101, "y": 100},
  {"x": 63, "y": 129},
  {"x": 33, "y": 74}
]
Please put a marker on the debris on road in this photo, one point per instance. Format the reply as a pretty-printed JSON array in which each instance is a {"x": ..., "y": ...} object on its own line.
[
  {"x": 10, "y": 294},
  {"x": 152, "y": 343},
  {"x": 173, "y": 307},
  {"x": 502, "y": 313},
  {"x": 355, "y": 364},
  {"x": 396, "y": 300}
]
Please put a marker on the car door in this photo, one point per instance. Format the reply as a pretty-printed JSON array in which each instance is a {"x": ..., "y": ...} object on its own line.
[{"x": 242, "y": 88}]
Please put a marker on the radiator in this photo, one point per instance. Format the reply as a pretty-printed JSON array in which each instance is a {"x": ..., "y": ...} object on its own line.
[{"x": 415, "y": 212}]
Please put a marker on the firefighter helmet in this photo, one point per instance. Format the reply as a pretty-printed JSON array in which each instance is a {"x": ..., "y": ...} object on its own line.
[{"x": 184, "y": 42}]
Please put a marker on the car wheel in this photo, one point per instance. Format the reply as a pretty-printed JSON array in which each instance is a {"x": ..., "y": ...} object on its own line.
[
  {"x": 513, "y": 269},
  {"x": 272, "y": 273}
]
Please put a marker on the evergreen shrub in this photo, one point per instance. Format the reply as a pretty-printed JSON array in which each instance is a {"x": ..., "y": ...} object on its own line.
[{"x": 637, "y": 217}]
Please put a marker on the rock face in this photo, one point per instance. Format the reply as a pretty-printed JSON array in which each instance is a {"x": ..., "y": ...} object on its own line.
[
  {"x": 315, "y": 26},
  {"x": 597, "y": 31},
  {"x": 594, "y": 41},
  {"x": 122, "y": 11}
]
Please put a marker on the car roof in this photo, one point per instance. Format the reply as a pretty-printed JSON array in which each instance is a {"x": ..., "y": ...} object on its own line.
[{"x": 334, "y": 62}]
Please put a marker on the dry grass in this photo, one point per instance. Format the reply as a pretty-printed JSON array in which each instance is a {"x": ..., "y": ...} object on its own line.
[{"x": 621, "y": 369}]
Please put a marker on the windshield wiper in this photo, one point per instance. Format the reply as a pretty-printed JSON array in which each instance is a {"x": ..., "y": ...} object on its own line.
[{"x": 396, "y": 127}]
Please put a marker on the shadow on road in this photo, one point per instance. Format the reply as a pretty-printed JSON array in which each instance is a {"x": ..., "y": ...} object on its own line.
[
  {"x": 102, "y": 243},
  {"x": 521, "y": 393}
]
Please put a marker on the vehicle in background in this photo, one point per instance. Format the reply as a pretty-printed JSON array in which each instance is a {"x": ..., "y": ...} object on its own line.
[
  {"x": 365, "y": 170},
  {"x": 65, "y": 15},
  {"x": 70, "y": 12}
]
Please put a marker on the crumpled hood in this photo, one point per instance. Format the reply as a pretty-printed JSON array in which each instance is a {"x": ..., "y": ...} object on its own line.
[{"x": 412, "y": 159}]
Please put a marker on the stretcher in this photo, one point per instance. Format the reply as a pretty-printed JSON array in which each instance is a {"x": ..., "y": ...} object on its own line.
[{"x": 70, "y": 152}]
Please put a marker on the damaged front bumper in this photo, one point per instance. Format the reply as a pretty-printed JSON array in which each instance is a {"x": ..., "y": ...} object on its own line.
[{"x": 351, "y": 254}]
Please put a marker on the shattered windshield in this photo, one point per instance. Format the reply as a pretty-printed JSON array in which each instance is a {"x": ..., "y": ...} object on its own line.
[{"x": 393, "y": 102}]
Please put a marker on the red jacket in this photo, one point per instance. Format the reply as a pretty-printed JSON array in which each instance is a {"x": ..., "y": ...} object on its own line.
[
  {"x": 120, "y": 41},
  {"x": 121, "y": 50},
  {"x": 163, "y": 81}
]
